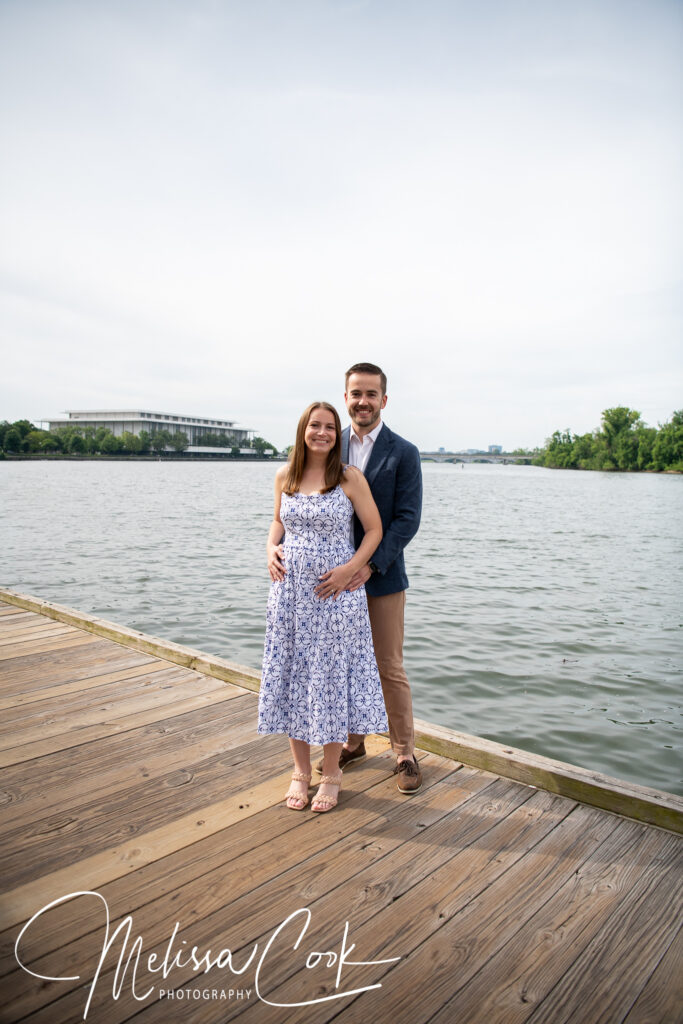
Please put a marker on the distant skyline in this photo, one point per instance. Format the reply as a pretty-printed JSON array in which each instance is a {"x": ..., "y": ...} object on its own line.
[{"x": 217, "y": 207}]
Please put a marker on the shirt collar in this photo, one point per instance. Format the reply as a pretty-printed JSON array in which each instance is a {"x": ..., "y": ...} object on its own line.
[{"x": 371, "y": 437}]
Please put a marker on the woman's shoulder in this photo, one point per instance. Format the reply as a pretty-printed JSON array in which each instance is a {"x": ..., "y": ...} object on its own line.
[
  {"x": 281, "y": 473},
  {"x": 352, "y": 478}
]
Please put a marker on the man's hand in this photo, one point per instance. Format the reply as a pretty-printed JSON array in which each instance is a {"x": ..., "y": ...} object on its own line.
[{"x": 359, "y": 578}]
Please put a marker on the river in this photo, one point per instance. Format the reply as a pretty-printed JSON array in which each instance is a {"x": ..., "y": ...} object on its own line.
[{"x": 545, "y": 608}]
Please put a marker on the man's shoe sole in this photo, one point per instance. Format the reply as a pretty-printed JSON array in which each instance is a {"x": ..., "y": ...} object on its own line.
[{"x": 409, "y": 792}]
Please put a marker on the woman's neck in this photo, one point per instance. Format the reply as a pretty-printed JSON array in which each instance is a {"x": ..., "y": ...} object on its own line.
[{"x": 313, "y": 477}]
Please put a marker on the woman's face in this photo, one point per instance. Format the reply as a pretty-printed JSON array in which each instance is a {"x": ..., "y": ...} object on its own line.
[{"x": 321, "y": 432}]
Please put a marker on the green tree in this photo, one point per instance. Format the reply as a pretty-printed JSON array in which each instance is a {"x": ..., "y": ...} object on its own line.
[
  {"x": 76, "y": 444},
  {"x": 13, "y": 440},
  {"x": 179, "y": 441},
  {"x": 620, "y": 430},
  {"x": 144, "y": 437},
  {"x": 100, "y": 434},
  {"x": 89, "y": 440},
  {"x": 35, "y": 438},
  {"x": 646, "y": 439},
  {"x": 111, "y": 445},
  {"x": 131, "y": 442},
  {"x": 259, "y": 444},
  {"x": 667, "y": 449},
  {"x": 583, "y": 450},
  {"x": 559, "y": 450},
  {"x": 24, "y": 427},
  {"x": 160, "y": 439}
]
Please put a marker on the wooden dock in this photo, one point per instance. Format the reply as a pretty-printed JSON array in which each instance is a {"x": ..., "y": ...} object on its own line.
[{"x": 132, "y": 774}]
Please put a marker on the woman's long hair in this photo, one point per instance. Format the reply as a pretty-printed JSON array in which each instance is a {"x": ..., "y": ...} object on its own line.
[{"x": 297, "y": 457}]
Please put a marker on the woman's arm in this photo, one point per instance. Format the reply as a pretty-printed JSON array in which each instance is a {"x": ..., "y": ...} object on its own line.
[
  {"x": 356, "y": 488},
  {"x": 274, "y": 550}
]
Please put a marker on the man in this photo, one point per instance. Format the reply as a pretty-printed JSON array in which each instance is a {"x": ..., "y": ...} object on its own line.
[{"x": 392, "y": 468}]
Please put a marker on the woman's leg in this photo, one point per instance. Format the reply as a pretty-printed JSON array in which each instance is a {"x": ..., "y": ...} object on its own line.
[
  {"x": 297, "y": 795},
  {"x": 327, "y": 792}
]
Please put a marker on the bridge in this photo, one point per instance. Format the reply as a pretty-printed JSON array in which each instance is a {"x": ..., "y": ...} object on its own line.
[{"x": 504, "y": 458}]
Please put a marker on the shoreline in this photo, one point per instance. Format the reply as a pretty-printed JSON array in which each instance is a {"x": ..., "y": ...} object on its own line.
[{"x": 166, "y": 457}]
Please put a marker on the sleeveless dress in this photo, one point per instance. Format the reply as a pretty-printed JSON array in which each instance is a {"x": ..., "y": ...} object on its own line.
[{"x": 320, "y": 680}]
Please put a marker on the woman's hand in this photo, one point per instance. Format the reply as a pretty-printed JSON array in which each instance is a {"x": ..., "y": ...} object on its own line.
[
  {"x": 334, "y": 582},
  {"x": 276, "y": 568}
]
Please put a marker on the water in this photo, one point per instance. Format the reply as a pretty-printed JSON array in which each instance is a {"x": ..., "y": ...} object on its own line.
[{"x": 545, "y": 607}]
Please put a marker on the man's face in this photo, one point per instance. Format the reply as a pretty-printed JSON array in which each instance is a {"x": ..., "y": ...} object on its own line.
[{"x": 364, "y": 400}]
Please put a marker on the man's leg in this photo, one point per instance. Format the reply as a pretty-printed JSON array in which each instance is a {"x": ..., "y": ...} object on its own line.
[{"x": 386, "y": 619}]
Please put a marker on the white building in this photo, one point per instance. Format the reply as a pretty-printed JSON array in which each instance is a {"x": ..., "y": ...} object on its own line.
[{"x": 118, "y": 422}]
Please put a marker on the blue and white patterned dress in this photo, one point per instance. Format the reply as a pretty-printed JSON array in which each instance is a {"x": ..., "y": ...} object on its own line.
[{"x": 320, "y": 680}]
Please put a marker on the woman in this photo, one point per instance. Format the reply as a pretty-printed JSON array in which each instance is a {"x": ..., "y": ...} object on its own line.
[{"x": 320, "y": 678}]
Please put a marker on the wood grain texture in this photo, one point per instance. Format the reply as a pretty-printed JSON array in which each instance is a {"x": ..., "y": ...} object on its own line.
[{"x": 143, "y": 780}]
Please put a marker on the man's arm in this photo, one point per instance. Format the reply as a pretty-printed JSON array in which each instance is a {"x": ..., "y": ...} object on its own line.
[{"x": 407, "y": 509}]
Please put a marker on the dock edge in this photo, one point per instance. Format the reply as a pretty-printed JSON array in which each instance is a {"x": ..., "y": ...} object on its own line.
[{"x": 642, "y": 803}]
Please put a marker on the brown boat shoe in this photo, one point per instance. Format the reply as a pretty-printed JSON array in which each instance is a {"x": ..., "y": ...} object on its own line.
[
  {"x": 409, "y": 776},
  {"x": 346, "y": 758}
]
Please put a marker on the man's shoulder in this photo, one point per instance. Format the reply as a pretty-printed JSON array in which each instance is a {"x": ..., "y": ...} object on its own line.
[{"x": 401, "y": 442}]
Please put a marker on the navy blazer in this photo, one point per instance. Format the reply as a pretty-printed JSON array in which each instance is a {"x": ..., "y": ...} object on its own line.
[{"x": 395, "y": 477}]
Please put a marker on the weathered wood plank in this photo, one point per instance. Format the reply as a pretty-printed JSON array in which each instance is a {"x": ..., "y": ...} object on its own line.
[
  {"x": 640, "y": 802},
  {"x": 452, "y": 932},
  {"x": 33, "y": 673},
  {"x": 9, "y": 612},
  {"x": 237, "y": 905},
  {"x": 74, "y": 705},
  {"x": 536, "y": 959},
  {"x": 20, "y": 903},
  {"x": 73, "y": 738},
  {"x": 220, "y": 668},
  {"x": 661, "y": 1000},
  {"x": 156, "y": 882},
  {"x": 27, "y": 726},
  {"x": 25, "y": 650},
  {"x": 139, "y": 666},
  {"x": 94, "y": 773},
  {"x": 166, "y": 738},
  {"x": 38, "y": 632},
  {"x": 486, "y": 821},
  {"x": 506, "y": 904},
  {"x": 236, "y": 877},
  {"x": 626, "y": 950},
  {"x": 176, "y": 834},
  {"x": 89, "y": 828}
]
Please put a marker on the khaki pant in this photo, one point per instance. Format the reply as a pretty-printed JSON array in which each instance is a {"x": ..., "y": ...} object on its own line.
[{"x": 386, "y": 619}]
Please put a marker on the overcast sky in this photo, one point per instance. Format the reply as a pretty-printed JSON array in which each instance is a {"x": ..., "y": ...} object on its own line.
[{"x": 213, "y": 207}]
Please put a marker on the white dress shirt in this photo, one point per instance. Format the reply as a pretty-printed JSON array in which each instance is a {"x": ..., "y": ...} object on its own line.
[{"x": 360, "y": 448}]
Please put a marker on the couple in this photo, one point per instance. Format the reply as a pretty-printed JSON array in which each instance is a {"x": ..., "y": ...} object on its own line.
[{"x": 320, "y": 678}]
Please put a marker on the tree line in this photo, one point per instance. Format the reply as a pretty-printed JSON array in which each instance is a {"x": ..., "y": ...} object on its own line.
[
  {"x": 23, "y": 438},
  {"x": 622, "y": 442}
]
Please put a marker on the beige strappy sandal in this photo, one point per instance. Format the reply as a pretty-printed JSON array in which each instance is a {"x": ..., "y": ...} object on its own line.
[
  {"x": 295, "y": 800},
  {"x": 324, "y": 801}
]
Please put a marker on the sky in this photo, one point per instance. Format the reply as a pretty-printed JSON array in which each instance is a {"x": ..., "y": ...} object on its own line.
[{"x": 214, "y": 207}]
